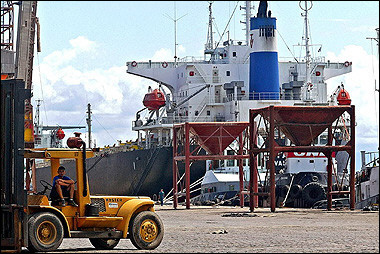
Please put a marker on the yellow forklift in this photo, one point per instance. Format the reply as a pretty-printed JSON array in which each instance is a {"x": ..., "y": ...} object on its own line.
[{"x": 103, "y": 219}]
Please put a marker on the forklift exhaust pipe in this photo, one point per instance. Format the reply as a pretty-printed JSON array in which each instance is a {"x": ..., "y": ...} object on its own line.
[
  {"x": 84, "y": 170},
  {"x": 77, "y": 142}
]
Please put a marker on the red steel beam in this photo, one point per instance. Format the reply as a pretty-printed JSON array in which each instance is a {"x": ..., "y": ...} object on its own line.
[
  {"x": 212, "y": 157},
  {"x": 187, "y": 164},
  {"x": 175, "y": 187},
  {"x": 241, "y": 173},
  {"x": 329, "y": 169},
  {"x": 272, "y": 156},
  {"x": 352, "y": 166},
  {"x": 255, "y": 171}
]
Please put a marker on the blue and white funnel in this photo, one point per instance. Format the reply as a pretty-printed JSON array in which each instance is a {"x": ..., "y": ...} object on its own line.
[{"x": 263, "y": 72}]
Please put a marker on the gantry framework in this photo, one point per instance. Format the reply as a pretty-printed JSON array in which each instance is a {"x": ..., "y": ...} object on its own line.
[
  {"x": 214, "y": 137},
  {"x": 301, "y": 125}
]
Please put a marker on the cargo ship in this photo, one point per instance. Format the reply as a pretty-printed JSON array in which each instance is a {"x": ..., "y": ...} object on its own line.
[{"x": 217, "y": 87}]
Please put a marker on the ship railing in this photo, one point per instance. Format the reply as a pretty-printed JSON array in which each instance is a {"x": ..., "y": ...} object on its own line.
[
  {"x": 317, "y": 59},
  {"x": 151, "y": 65},
  {"x": 204, "y": 79},
  {"x": 320, "y": 60},
  {"x": 253, "y": 96},
  {"x": 179, "y": 119},
  {"x": 191, "y": 59}
]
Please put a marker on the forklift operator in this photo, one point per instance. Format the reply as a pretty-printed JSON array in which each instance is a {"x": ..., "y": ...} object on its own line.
[{"x": 63, "y": 186}]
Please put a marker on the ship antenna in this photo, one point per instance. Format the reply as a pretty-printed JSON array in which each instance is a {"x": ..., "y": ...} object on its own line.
[
  {"x": 175, "y": 31},
  {"x": 305, "y": 8},
  {"x": 209, "y": 47}
]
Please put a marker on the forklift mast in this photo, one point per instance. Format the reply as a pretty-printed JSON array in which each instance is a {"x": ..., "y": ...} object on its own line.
[{"x": 13, "y": 194}]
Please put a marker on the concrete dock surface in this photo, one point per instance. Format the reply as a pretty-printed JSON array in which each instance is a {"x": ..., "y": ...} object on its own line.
[{"x": 221, "y": 229}]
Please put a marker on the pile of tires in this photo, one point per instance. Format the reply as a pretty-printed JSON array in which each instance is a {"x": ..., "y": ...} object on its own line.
[{"x": 313, "y": 192}]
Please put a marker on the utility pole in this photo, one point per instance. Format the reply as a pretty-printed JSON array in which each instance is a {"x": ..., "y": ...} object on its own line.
[{"x": 89, "y": 124}]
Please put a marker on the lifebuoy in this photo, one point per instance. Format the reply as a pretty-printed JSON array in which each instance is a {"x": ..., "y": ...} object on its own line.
[
  {"x": 134, "y": 64},
  {"x": 346, "y": 64},
  {"x": 164, "y": 64}
]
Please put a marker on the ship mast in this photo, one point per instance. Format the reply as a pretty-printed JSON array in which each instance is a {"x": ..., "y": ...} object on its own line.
[
  {"x": 209, "y": 47},
  {"x": 305, "y": 8},
  {"x": 247, "y": 15}
]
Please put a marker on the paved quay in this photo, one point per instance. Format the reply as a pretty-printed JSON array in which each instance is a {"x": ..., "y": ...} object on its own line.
[{"x": 234, "y": 229}]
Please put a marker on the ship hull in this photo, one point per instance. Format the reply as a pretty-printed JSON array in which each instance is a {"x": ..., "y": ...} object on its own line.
[{"x": 139, "y": 172}]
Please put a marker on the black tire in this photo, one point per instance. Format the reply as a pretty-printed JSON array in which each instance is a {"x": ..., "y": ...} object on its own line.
[
  {"x": 313, "y": 192},
  {"x": 295, "y": 191},
  {"x": 146, "y": 230},
  {"x": 45, "y": 232},
  {"x": 104, "y": 243}
]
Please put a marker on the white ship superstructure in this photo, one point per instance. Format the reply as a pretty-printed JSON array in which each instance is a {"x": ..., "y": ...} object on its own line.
[{"x": 217, "y": 87}]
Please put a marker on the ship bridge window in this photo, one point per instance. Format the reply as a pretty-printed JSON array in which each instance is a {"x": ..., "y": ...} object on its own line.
[
  {"x": 228, "y": 73},
  {"x": 234, "y": 54},
  {"x": 208, "y": 112}
]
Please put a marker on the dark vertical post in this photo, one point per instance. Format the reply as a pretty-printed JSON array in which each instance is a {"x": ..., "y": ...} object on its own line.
[
  {"x": 175, "y": 190},
  {"x": 271, "y": 159},
  {"x": 352, "y": 152},
  {"x": 241, "y": 179},
  {"x": 187, "y": 164},
  {"x": 255, "y": 172},
  {"x": 251, "y": 159},
  {"x": 329, "y": 169}
]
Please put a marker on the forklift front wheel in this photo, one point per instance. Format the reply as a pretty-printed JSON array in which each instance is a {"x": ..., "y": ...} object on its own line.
[
  {"x": 103, "y": 243},
  {"x": 45, "y": 232},
  {"x": 146, "y": 230}
]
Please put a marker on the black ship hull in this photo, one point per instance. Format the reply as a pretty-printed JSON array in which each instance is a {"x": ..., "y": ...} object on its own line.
[{"x": 139, "y": 172}]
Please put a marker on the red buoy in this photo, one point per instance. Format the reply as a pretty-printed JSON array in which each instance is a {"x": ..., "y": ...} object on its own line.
[
  {"x": 343, "y": 97},
  {"x": 60, "y": 134},
  {"x": 154, "y": 100}
]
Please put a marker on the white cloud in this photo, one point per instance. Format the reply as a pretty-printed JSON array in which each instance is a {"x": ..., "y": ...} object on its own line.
[
  {"x": 165, "y": 54},
  {"x": 83, "y": 44},
  {"x": 360, "y": 84},
  {"x": 114, "y": 95}
]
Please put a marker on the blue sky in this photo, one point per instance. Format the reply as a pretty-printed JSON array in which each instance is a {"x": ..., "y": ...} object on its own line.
[{"x": 85, "y": 46}]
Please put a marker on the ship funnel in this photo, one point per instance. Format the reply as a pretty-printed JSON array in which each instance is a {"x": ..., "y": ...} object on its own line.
[{"x": 263, "y": 70}]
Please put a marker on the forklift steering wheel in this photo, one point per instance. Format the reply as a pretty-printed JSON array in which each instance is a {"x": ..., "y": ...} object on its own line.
[{"x": 47, "y": 186}]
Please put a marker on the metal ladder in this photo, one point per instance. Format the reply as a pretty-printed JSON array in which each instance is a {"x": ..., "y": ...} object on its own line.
[{"x": 148, "y": 168}]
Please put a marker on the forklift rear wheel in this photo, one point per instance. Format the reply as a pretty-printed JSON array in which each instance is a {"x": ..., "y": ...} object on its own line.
[
  {"x": 45, "y": 232},
  {"x": 104, "y": 243},
  {"x": 146, "y": 230}
]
